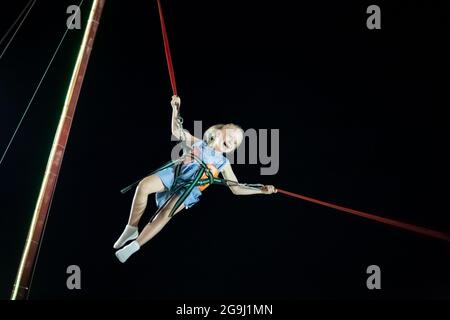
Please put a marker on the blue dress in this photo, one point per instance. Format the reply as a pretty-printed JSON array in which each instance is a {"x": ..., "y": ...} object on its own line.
[{"x": 187, "y": 173}]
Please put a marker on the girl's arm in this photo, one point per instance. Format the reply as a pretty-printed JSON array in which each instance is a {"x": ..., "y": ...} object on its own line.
[
  {"x": 177, "y": 130},
  {"x": 228, "y": 174}
]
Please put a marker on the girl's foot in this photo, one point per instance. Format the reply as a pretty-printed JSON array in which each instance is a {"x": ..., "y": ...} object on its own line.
[
  {"x": 124, "y": 253},
  {"x": 130, "y": 233}
]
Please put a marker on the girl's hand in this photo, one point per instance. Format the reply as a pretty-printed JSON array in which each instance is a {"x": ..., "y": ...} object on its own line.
[
  {"x": 176, "y": 102},
  {"x": 269, "y": 189}
]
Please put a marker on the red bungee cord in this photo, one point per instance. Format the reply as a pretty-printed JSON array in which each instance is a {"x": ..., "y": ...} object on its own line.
[
  {"x": 167, "y": 50},
  {"x": 395, "y": 223}
]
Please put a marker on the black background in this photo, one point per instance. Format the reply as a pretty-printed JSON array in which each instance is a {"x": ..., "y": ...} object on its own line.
[{"x": 362, "y": 123}]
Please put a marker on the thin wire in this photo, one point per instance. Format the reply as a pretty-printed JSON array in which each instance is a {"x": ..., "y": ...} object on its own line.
[
  {"x": 36, "y": 90},
  {"x": 15, "y": 22},
  {"x": 12, "y": 26},
  {"x": 51, "y": 200}
]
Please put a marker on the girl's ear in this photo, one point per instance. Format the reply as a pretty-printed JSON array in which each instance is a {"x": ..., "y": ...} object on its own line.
[
  {"x": 208, "y": 136},
  {"x": 210, "y": 133}
]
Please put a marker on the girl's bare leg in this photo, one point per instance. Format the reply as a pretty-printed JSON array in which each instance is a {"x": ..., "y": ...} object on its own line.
[
  {"x": 148, "y": 185},
  {"x": 150, "y": 230}
]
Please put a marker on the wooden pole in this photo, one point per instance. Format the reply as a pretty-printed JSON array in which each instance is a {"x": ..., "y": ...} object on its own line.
[{"x": 24, "y": 274}]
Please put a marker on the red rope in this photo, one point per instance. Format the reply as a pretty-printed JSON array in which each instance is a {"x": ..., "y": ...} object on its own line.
[
  {"x": 402, "y": 225},
  {"x": 167, "y": 50}
]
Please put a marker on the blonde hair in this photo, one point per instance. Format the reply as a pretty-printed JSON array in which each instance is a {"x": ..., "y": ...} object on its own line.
[{"x": 210, "y": 134}]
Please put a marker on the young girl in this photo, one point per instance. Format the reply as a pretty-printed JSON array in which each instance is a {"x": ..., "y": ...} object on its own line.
[{"x": 218, "y": 139}]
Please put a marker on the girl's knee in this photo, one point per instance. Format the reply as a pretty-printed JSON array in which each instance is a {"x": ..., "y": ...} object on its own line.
[
  {"x": 150, "y": 184},
  {"x": 144, "y": 186}
]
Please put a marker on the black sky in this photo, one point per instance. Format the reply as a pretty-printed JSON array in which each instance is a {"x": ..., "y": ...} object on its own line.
[{"x": 362, "y": 120}]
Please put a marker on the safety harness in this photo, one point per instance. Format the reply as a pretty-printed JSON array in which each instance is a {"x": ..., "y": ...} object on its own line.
[{"x": 206, "y": 175}]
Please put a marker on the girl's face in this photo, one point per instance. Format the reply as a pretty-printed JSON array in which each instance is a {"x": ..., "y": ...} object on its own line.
[{"x": 227, "y": 139}]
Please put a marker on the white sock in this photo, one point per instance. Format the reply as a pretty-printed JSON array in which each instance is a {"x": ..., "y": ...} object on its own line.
[
  {"x": 130, "y": 233},
  {"x": 124, "y": 253}
]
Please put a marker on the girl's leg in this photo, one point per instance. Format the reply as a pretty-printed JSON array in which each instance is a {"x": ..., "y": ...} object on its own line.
[
  {"x": 150, "y": 230},
  {"x": 148, "y": 185}
]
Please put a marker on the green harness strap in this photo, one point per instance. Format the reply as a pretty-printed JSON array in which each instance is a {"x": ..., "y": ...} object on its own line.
[
  {"x": 188, "y": 187},
  {"x": 164, "y": 166},
  {"x": 177, "y": 164}
]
